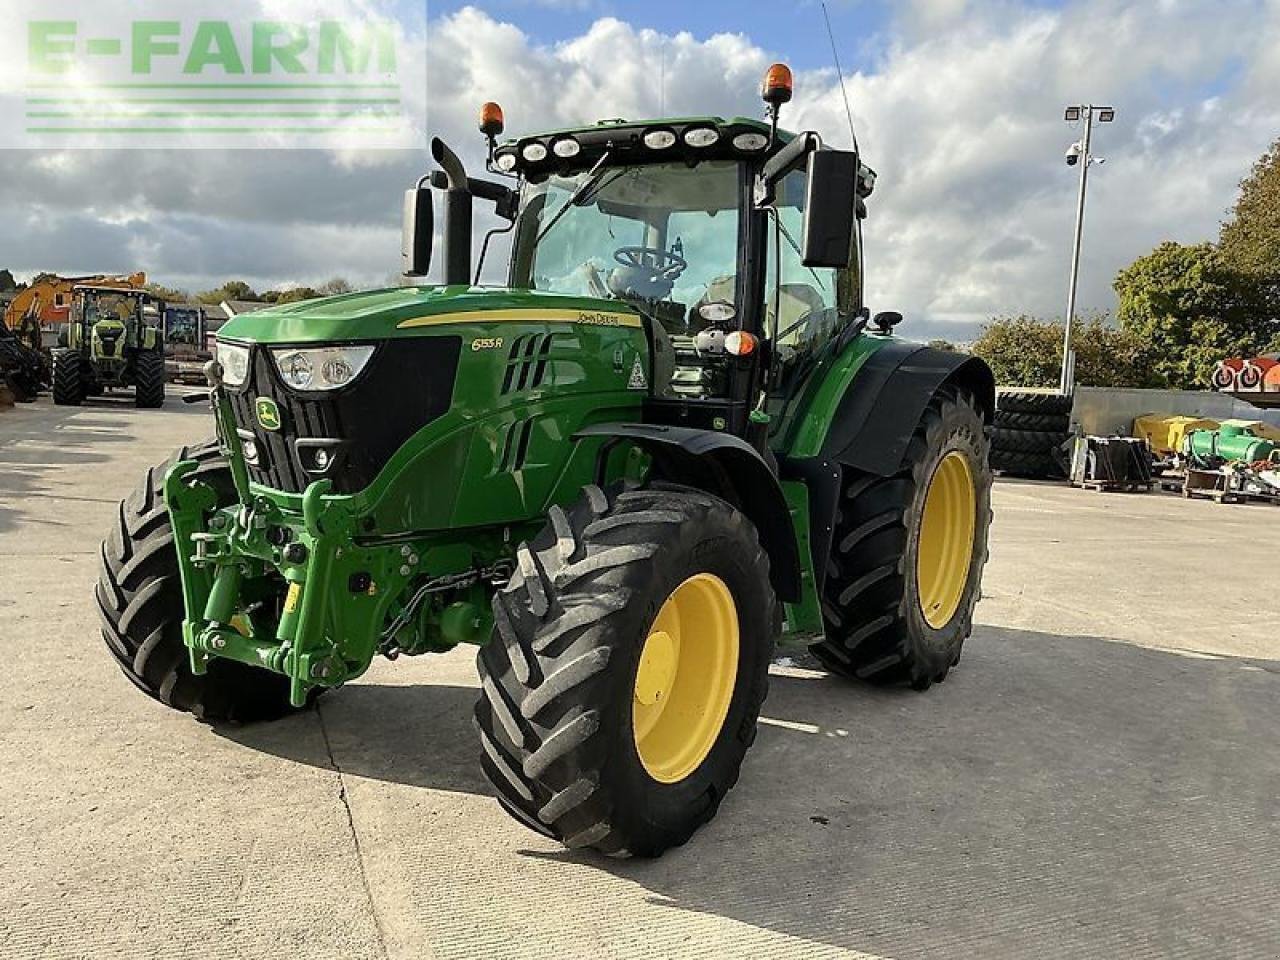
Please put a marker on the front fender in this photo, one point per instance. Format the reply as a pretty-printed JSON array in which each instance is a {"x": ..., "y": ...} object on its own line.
[{"x": 729, "y": 468}]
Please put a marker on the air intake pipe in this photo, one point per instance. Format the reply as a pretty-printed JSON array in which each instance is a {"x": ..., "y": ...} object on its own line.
[{"x": 458, "y": 202}]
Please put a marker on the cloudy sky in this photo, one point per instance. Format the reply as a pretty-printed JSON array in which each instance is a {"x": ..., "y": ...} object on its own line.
[{"x": 958, "y": 105}]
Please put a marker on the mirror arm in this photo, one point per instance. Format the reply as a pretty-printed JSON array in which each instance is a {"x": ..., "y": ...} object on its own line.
[{"x": 782, "y": 163}]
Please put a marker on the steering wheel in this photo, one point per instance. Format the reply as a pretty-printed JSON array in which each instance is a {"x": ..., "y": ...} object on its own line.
[{"x": 663, "y": 263}]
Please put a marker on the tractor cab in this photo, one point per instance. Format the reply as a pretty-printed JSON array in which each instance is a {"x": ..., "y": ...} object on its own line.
[{"x": 738, "y": 243}]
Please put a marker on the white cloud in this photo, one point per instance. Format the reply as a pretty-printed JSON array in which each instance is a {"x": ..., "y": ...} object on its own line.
[{"x": 961, "y": 115}]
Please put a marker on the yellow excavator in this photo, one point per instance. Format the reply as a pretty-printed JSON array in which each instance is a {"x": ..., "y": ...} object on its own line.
[{"x": 37, "y": 313}]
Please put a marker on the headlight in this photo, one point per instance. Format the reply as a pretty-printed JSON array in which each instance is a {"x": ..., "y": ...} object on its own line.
[
  {"x": 235, "y": 363},
  {"x": 321, "y": 368},
  {"x": 750, "y": 142},
  {"x": 506, "y": 162},
  {"x": 534, "y": 152}
]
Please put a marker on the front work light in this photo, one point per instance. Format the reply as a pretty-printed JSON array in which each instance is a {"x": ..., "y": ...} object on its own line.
[
  {"x": 534, "y": 152},
  {"x": 321, "y": 368},
  {"x": 566, "y": 147},
  {"x": 750, "y": 142},
  {"x": 660, "y": 139},
  {"x": 701, "y": 137}
]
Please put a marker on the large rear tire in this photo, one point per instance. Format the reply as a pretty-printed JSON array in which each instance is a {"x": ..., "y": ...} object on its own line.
[
  {"x": 68, "y": 379},
  {"x": 621, "y": 688},
  {"x": 905, "y": 568},
  {"x": 149, "y": 377},
  {"x": 139, "y": 597}
]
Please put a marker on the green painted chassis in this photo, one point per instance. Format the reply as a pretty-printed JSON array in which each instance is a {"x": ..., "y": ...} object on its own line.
[{"x": 318, "y": 604}]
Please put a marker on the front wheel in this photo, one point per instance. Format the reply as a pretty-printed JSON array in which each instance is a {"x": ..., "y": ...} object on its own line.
[
  {"x": 905, "y": 569},
  {"x": 149, "y": 377},
  {"x": 139, "y": 596},
  {"x": 621, "y": 688},
  {"x": 68, "y": 379}
]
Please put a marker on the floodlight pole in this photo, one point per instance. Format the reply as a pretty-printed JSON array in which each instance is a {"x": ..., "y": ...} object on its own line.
[{"x": 1068, "y": 383}]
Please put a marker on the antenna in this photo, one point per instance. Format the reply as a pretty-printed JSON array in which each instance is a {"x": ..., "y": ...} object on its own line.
[
  {"x": 662, "y": 108},
  {"x": 848, "y": 111}
]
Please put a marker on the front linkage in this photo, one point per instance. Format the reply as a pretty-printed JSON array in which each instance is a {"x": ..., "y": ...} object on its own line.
[{"x": 335, "y": 598}]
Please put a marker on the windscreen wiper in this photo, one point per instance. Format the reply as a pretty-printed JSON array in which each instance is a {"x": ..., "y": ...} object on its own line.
[{"x": 592, "y": 180}]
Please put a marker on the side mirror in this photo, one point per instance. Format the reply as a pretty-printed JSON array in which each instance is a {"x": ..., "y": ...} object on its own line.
[
  {"x": 419, "y": 225},
  {"x": 829, "y": 209},
  {"x": 886, "y": 320}
]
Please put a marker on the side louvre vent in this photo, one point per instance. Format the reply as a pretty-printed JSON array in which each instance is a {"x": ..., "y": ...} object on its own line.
[
  {"x": 515, "y": 446},
  {"x": 529, "y": 362}
]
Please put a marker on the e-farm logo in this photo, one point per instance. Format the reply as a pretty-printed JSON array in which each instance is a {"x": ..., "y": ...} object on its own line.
[{"x": 217, "y": 81}]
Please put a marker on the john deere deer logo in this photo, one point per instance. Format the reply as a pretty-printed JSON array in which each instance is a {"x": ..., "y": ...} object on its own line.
[{"x": 268, "y": 413}]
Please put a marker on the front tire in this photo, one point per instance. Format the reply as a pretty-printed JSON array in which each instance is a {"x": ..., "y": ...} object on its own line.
[
  {"x": 630, "y": 657},
  {"x": 139, "y": 594},
  {"x": 68, "y": 379},
  {"x": 905, "y": 568},
  {"x": 149, "y": 377}
]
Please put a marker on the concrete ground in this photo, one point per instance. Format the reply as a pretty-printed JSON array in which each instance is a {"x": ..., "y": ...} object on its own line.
[{"x": 1100, "y": 778}]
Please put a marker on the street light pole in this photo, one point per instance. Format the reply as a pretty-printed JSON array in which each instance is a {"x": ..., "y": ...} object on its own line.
[{"x": 1084, "y": 157}]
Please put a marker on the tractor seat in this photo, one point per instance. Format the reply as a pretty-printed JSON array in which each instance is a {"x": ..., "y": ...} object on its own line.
[{"x": 795, "y": 302}]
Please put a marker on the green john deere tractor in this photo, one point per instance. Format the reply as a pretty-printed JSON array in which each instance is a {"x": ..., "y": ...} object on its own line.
[
  {"x": 670, "y": 439},
  {"x": 114, "y": 340}
]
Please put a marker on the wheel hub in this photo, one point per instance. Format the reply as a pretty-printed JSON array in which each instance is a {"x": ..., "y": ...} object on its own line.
[
  {"x": 947, "y": 529},
  {"x": 657, "y": 668},
  {"x": 685, "y": 678}
]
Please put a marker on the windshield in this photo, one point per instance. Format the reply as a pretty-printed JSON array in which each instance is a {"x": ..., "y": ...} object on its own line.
[
  {"x": 94, "y": 305},
  {"x": 661, "y": 237}
]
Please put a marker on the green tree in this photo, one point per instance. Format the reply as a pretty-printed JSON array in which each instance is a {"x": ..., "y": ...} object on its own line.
[
  {"x": 167, "y": 294},
  {"x": 231, "y": 290},
  {"x": 336, "y": 286},
  {"x": 297, "y": 294},
  {"x": 1027, "y": 352},
  {"x": 1250, "y": 244},
  {"x": 1250, "y": 240},
  {"x": 1192, "y": 308},
  {"x": 946, "y": 345}
]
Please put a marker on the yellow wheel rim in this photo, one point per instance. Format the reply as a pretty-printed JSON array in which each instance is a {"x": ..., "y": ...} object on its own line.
[
  {"x": 947, "y": 528},
  {"x": 685, "y": 679}
]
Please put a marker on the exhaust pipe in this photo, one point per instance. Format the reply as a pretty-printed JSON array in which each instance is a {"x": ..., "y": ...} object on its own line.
[{"x": 457, "y": 215}]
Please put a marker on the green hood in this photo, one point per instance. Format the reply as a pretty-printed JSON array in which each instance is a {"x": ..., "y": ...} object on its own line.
[{"x": 384, "y": 314}]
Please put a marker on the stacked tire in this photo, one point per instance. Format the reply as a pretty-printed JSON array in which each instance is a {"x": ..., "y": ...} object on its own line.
[{"x": 1029, "y": 433}]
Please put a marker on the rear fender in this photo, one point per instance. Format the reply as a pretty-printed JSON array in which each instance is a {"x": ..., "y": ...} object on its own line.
[{"x": 729, "y": 468}]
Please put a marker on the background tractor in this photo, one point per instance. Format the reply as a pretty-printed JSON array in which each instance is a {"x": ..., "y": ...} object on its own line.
[
  {"x": 113, "y": 340},
  {"x": 669, "y": 439}
]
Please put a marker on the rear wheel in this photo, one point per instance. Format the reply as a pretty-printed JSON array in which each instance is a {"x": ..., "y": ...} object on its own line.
[
  {"x": 68, "y": 379},
  {"x": 149, "y": 380},
  {"x": 139, "y": 597},
  {"x": 621, "y": 688},
  {"x": 905, "y": 568}
]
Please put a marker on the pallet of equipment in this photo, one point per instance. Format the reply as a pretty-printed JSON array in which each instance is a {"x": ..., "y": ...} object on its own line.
[
  {"x": 1114, "y": 486},
  {"x": 1212, "y": 485}
]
